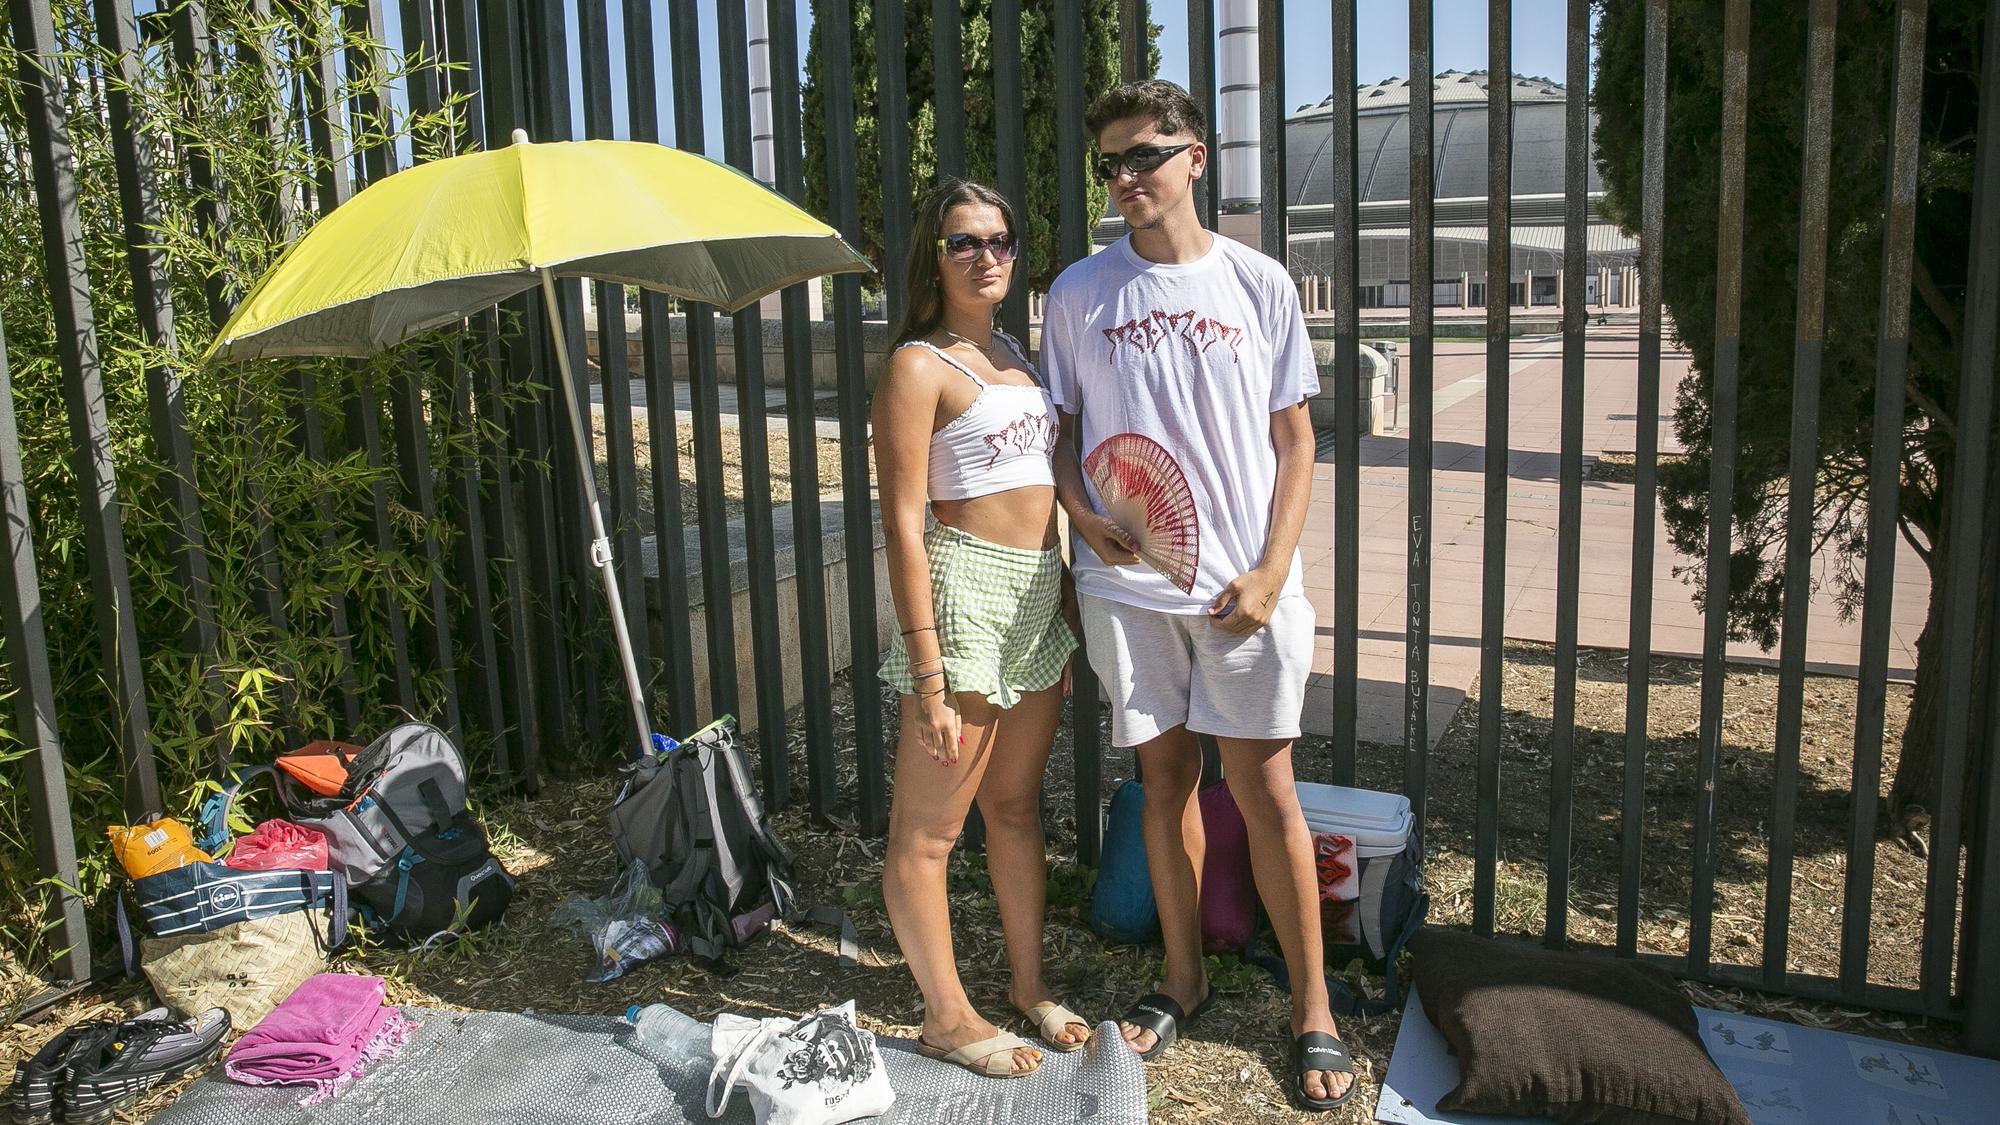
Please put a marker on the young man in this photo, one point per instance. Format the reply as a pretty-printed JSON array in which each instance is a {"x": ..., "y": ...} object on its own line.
[{"x": 1184, "y": 356}]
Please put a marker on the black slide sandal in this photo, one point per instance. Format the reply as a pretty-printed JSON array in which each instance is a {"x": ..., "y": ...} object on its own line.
[
  {"x": 1316, "y": 1050},
  {"x": 1162, "y": 1015}
]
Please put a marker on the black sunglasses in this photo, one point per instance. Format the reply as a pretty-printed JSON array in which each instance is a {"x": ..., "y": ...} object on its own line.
[
  {"x": 1138, "y": 160},
  {"x": 966, "y": 247}
]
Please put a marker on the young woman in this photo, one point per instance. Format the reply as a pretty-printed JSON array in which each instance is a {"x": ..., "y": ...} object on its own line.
[{"x": 965, "y": 431}]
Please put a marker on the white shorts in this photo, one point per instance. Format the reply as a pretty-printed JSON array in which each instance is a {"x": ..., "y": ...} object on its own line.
[{"x": 1163, "y": 670}]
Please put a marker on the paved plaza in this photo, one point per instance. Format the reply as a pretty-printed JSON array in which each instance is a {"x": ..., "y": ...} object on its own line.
[{"x": 1534, "y": 407}]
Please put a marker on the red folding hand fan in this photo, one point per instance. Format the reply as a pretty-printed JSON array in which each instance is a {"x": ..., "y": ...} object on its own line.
[{"x": 1145, "y": 492}]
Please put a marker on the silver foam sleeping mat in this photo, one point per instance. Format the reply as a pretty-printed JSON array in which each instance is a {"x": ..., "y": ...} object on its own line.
[{"x": 488, "y": 1068}]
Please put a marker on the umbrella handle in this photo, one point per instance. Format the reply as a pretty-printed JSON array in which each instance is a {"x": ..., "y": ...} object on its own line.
[{"x": 600, "y": 546}]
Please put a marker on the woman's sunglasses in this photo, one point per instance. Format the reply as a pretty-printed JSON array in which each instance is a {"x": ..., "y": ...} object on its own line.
[
  {"x": 1137, "y": 160},
  {"x": 966, "y": 248}
]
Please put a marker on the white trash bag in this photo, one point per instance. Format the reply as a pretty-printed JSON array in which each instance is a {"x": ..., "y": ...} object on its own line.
[{"x": 819, "y": 1070}]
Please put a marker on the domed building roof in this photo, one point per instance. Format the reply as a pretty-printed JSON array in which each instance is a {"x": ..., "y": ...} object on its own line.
[{"x": 1458, "y": 136}]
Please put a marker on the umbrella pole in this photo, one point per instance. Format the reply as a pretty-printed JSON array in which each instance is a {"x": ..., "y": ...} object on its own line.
[{"x": 600, "y": 547}]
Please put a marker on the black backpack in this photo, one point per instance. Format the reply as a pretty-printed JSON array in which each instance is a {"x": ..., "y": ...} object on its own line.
[
  {"x": 417, "y": 861},
  {"x": 694, "y": 816}
]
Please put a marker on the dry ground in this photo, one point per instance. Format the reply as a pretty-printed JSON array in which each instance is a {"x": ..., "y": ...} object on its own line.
[
  {"x": 1232, "y": 1067},
  {"x": 779, "y": 459}
]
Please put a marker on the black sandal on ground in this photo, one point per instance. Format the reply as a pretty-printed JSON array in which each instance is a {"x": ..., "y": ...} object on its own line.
[
  {"x": 1316, "y": 1050},
  {"x": 1162, "y": 1015}
]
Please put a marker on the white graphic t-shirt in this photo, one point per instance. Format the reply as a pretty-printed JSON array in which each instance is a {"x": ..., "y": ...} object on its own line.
[{"x": 1192, "y": 358}]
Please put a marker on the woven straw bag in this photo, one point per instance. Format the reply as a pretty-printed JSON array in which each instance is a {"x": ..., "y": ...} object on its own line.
[{"x": 244, "y": 967}]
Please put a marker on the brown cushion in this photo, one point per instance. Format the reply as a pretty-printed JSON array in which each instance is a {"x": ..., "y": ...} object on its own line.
[{"x": 1580, "y": 1038}]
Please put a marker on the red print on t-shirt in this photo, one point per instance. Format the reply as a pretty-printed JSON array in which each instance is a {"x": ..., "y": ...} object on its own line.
[
  {"x": 1191, "y": 328},
  {"x": 1028, "y": 435}
]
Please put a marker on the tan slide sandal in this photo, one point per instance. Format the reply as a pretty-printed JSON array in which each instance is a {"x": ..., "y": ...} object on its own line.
[
  {"x": 991, "y": 1058},
  {"x": 1049, "y": 1019}
]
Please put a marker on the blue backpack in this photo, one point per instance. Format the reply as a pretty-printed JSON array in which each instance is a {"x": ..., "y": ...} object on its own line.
[{"x": 1122, "y": 907}]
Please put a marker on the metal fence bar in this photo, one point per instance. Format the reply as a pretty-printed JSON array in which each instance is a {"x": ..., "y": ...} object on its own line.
[
  {"x": 193, "y": 47},
  {"x": 194, "y": 51},
  {"x": 1493, "y": 576},
  {"x": 1722, "y": 472},
  {"x": 853, "y": 378},
  {"x": 1423, "y": 302},
  {"x": 1808, "y": 349},
  {"x": 482, "y": 619},
  {"x": 673, "y": 614},
  {"x": 815, "y": 639},
  {"x": 326, "y": 136},
  {"x": 466, "y": 513},
  {"x": 1132, "y": 40},
  {"x": 325, "y": 110},
  {"x": 152, "y": 300},
  {"x": 1646, "y": 458},
  {"x": 257, "y": 50},
  {"x": 892, "y": 139},
  {"x": 1569, "y": 505},
  {"x": 516, "y": 741},
  {"x": 364, "y": 413},
  {"x": 407, "y": 393},
  {"x": 703, "y": 384},
  {"x": 574, "y": 599},
  {"x": 614, "y": 366},
  {"x": 413, "y": 466},
  {"x": 753, "y": 434},
  {"x": 1271, "y": 125},
  {"x": 1805, "y": 986},
  {"x": 947, "y": 87},
  {"x": 1073, "y": 222},
  {"x": 461, "y": 48},
  {"x": 521, "y": 537},
  {"x": 1982, "y": 998},
  {"x": 1201, "y": 84},
  {"x": 53, "y": 164},
  {"x": 1010, "y": 149},
  {"x": 1969, "y": 508},
  {"x": 1346, "y": 159},
  {"x": 1885, "y": 486},
  {"x": 35, "y": 702}
]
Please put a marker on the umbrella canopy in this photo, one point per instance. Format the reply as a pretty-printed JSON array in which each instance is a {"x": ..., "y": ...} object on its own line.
[{"x": 439, "y": 242}]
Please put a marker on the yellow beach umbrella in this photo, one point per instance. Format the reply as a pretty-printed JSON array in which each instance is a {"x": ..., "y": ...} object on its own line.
[
  {"x": 436, "y": 243},
  {"x": 440, "y": 241}
]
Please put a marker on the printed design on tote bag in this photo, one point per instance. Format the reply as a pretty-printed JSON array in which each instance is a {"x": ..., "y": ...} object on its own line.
[
  {"x": 830, "y": 1054},
  {"x": 1197, "y": 332}
]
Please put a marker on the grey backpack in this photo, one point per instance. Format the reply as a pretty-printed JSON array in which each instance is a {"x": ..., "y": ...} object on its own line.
[
  {"x": 694, "y": 816},
  {"x": 399, "y": 833}
]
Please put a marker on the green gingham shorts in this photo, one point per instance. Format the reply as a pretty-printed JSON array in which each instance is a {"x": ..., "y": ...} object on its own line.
[{"x": 999, "y": 618}]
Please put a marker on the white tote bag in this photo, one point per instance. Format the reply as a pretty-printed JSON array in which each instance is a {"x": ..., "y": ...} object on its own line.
[{"x": 819, "y": 1070}]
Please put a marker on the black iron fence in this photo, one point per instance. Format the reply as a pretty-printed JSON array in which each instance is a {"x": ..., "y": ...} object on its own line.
[{"x": 496, "y": 633}]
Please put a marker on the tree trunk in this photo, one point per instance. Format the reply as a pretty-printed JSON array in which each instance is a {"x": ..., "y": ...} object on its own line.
[{"x": 1915, "y": 787}]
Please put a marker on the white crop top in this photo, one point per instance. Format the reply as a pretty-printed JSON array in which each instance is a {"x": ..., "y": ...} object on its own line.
[{"x": 1005, "y": 439}]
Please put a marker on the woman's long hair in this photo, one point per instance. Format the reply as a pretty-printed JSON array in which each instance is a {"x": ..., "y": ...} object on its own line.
[{"x": 923, "y": 306}]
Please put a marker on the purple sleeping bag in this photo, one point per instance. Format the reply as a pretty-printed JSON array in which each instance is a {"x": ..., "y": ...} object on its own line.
[{"x": 1228, "y": 892}]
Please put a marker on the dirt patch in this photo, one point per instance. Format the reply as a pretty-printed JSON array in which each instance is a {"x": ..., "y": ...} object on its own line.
[
  {"x": 1621, "y": 468},
  {"x": 1744, "y": 811},
  {"x": 1232, "y": 1067}
]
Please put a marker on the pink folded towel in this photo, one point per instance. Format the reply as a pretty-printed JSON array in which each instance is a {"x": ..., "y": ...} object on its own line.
[{"x": 322, "y": 1035}]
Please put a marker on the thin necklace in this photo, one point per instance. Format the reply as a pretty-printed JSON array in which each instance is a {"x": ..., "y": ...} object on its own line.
[{"x": 984, "y": 349}]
